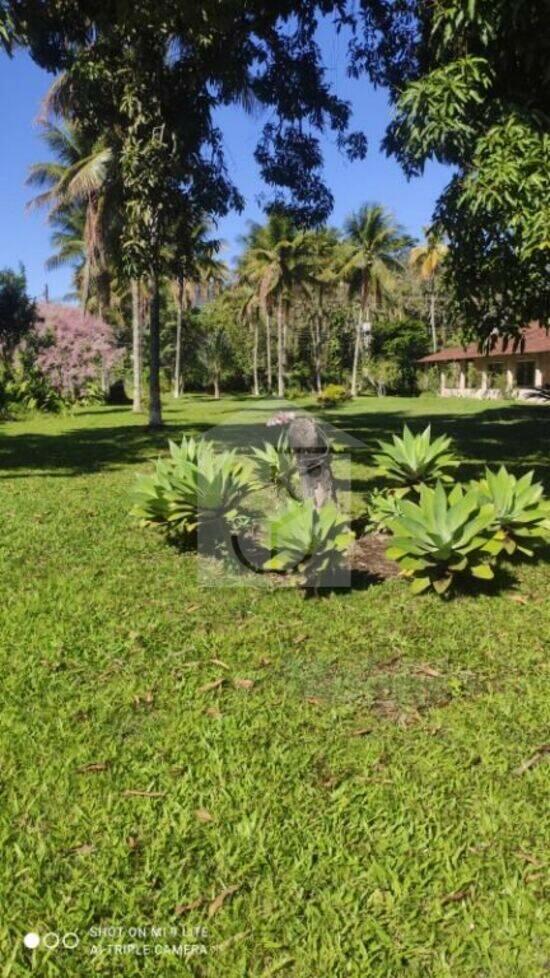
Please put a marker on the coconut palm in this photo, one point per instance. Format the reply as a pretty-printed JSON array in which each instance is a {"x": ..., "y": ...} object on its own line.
[
  {"x": 249, "y": 313},
  {"x": 326, "y": 276},
  {"x": 280, "y": 263},
  {"x": 426, "y": 260},
  {"x": 78, "y": 177},
  {"x": 376, "y": 245}
]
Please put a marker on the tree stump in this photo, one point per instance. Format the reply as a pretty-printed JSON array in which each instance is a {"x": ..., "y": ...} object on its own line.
[{"x": 311, "y": 450}]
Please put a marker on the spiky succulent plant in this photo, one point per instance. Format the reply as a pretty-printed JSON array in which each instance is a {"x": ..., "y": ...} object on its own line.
[
  {"x": 307, "y": 539},
  {"x": 520, "y": 512},
  {"x": 414, "y": 460},
  {"x": 442, "y": 535}
]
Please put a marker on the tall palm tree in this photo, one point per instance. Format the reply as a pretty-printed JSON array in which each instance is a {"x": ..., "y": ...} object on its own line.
[
  {"x": 202, "y": 276},
  {"x": 325, "y": 278},
  {"x": 249, "y": 272},
  {"x": 376, "y": 245},
  {"x": 426, "y": 260},
  {"x": 78, "y": 177},
  {"x": 249, "y": 312},
  {"x": 280, "y": 262}
]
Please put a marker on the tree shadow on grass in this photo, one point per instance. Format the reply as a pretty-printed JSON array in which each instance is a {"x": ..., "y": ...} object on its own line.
[
  {"x": 515, "y": 436},
  {"x": 80, "y": 451}
]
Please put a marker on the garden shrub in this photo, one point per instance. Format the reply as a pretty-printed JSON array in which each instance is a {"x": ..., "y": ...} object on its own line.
[
  {"x": 441, "y": 536},
  {"x": 383, "y": 506},
  {"x": 332, "y": 395},
  {"x": 195, "y": 486},
  {"x": 302, "y": 537},
  {"x": 520, "y": 512},
  {"x": 415, "y": 459},
  {"x": 276, "y": 465}
]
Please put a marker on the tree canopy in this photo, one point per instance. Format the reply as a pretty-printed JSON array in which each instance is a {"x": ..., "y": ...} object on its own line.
[
  {"x": 468, "y": 82},
  {"x": 471, "y": 87}
]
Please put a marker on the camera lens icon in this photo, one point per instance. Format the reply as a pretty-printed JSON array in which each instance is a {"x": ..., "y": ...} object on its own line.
[{"x": 51, "y": 940}]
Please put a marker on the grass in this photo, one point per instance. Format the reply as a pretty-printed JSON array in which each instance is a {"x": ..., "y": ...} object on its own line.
[{"x": 368, "y": 813}]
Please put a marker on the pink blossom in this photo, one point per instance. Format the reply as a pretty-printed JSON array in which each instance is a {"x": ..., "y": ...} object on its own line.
[{"x": 80, "y": 348}]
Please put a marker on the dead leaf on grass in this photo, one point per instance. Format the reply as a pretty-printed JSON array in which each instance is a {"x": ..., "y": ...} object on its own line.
[
  {"x": 424, "y": 670},
  {"x": 528, "y": 858},
  {"x": 243, "y": 683},
  {"x": 218, "y": 902},
  {"x": 314, "y": 700},
  {"x": 203, "y": 815},
  {"x": 132, "y": 842},
  {"x": 213, "y": 685},
  {"x": 191, "y": 608},
  {"x": 389, "y": 664},
  {"x": 186, "y": 907},
  {"x": 264, "y": 662},
  {"x": 536, "y": 757},
  {"x": 93, "y": 768},
  {"x": 299, "y": 639},
  {"x": 83, "y": 850},
  {"x": 361, "y": 732},
  {"x": 220, "y": 663},
  {"x": 518, "y": 598},
  {"x": 457, "y": 896},
  {"x": 214, "y": 712}
]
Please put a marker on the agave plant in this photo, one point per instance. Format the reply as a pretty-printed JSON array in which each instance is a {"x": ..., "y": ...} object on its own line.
[
  {"x": 520, "y": 511},
  {"x": 414, "y": 460},
  {"x": 307, "y": 539},
  {"x": 195, "y": 486},
  {"x": 276, "y": 465},
  {"x": 383, "y": 506},
  {"x": 443, "y": 535}
]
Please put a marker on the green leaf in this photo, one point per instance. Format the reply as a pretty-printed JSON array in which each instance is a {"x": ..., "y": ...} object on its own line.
[
  {"x": 483, "y": 571},
  {"x": 420, "y": 584}
]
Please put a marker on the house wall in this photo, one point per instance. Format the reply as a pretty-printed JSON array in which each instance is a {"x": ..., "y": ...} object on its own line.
[{"x": 483, "y": 365}]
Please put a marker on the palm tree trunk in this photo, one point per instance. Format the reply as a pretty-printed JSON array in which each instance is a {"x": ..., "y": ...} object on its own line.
[
  {"x": 268, "y": 352},
  {"x": 216, "y": 387},
  {"x": 179, "y": 325},
  {"x": 255, "y": 382},
  {"x": 317, "y": 352},
  {"x": 356, "y": 354},
  {"x": 280, "y": 349},
  {"x": 432, "y": 320},
  {"x": 136, "y": 346},
  {"x": 155, "y": 407}
]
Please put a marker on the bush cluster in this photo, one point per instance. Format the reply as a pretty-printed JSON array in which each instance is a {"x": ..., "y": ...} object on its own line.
[
  {"x": 439, "y": 530},
  {"x": 439, "y": 534}
]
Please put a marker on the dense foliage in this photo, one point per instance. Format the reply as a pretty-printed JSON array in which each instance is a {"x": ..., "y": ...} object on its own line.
[
  {"x": 520, "y": 513},
  {"x": 442, "y": 535},
  {"x": 17, "y": 314},
  {"x": 470, "y": 87},
  {"x": 195, "y": 487},
  {"x": 77, "y": 350}
]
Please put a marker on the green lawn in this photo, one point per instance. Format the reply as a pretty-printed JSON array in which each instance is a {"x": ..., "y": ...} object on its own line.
[{"x": 415, "y": 848}]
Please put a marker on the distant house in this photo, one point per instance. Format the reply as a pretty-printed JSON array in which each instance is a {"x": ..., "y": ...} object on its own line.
[{"x": 522, "y": 369}]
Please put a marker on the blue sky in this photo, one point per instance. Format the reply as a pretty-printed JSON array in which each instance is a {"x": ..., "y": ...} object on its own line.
[{"x": 24, "y": 237}]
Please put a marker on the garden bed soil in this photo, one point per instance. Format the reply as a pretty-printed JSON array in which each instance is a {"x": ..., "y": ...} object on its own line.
[{"x": 368, "y": 555}]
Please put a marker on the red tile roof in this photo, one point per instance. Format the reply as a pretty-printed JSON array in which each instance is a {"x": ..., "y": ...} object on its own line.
[{"x": 535, "y": 339}]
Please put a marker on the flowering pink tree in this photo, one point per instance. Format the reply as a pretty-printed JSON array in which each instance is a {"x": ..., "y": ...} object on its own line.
[{"x": 79, "y": 349}]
